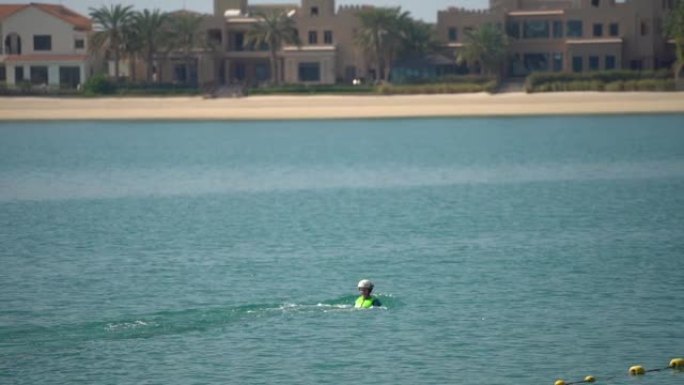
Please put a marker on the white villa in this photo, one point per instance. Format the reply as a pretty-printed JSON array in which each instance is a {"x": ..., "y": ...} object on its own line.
[{"x": 44, "y": 45}]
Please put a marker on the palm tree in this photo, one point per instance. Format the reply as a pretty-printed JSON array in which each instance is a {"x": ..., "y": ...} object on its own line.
[
  {"x": 112, "y": 23},
  {"x": 382, "y": 35},
  {"x": 273, "y": 30},
  {"x": 419, "y": 40},
  {"x": 675, "y": 31},
  {"x": 487, "y": 46},
  {"x": 187, "y": 37},
  {"x": 131, "y": 48},
  {"x": 149, "y": 28}
]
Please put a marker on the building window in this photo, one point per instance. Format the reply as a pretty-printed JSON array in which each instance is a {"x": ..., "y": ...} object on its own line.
[
  {"x": 262, "y": 72},
  {"x": 536, "y": 62},
  {"x": 558, "y": 29},
  {"x": 557, "y": 62},
  {"x": 577, "y": 64},
  {"x": 536, "y": 29},
  {"x": 594, "y": 63},
  {"x": 18, "y": 75},
  {"x": 644, "y": 28},
  {"x": 39, "y": 75},
  {"x": 453, "y": 34},
  {"x": 314, "y": 11},
  {"x": 79, "y": 44},
  {"x": 42, "y": 43},
  {"x": 636, "y": 65},
  {"x": 513, "y": 29},
  {"x": 596, "y": 3},
  {"x": 3, "y": 74},
  {"x": 309, "y": 72},
  {"x": 350, "y": 74},
  {"x": 614, "y": 29},
  {"x": 610, "y": 62},
  {"x": 239, "y": 41},
  {"x": 327, "y": 37},
  {"x": 598, "y": 30},
  {"x": 575, "y": 28},
  {"x": 240, "y": 72},
  {"x": 313, "y": 37},
  {"x": 180, "y": 73},
  {"x": 69, "y": 77}
]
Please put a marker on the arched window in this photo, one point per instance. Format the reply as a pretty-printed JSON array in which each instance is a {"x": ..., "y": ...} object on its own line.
[{"x": 13, "y": 44}]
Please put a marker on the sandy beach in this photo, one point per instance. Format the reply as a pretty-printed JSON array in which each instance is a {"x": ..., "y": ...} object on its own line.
[{"x": 337, "y": 107}]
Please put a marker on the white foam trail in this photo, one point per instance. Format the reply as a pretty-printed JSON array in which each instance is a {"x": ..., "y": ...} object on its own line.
[
  {"x": 128, "y": 325},
  {"x": 109, "y": 184}
]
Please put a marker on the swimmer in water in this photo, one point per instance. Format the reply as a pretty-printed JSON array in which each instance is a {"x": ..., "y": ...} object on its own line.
[{"x": 366, "y": 300}]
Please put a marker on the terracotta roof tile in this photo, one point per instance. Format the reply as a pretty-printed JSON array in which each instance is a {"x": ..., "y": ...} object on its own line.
[
  {"x": 79, "y": 21},
  {"x": 9, "y": 9}
]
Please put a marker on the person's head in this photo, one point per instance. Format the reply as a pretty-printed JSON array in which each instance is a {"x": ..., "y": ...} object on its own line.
[{"x": 365, "y": 287}]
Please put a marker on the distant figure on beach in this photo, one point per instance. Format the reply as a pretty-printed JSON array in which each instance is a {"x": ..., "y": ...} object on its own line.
[{"x": 366, "y": 300}]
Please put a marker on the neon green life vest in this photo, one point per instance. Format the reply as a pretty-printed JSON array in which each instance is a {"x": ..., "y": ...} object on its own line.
[{"x": 364, "y": 303}]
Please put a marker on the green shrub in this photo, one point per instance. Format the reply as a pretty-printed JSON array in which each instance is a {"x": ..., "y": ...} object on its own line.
[
  {"x": 440, "y": 88},
  {"x": 631, "y": 85},
  {"x": 99, "y": 85},
  {"x": 301, "y": 89},
  {"x": 600, "y": 81},
  {"x": 449, "y": 79},
  {"x": 615, "y": 86},
  {"x": 656, "y": 85}
]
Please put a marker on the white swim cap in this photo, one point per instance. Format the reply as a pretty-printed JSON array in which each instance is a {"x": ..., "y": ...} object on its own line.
[{"x": 365, "y": 284}]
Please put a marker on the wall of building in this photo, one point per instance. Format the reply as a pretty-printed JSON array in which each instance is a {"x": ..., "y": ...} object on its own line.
[
  {"x": 640, "y": 28},
  {"x": 343, "y": 25},
  {"x": 32, "y": 21},
  {"x": 53, "y": 70},
  {"x": 325, "y": 60},
  {"x": 589, "y": 51},
  {"x": 462, "y": 19}
]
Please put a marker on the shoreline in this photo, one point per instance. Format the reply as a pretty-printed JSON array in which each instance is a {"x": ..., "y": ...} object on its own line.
[{"x": 336, "y": 107}]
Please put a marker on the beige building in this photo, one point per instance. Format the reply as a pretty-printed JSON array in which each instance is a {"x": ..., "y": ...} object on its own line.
[
  {"x": 570, "y": 35},
  {"x": 43, "y": 45},
  {"x": 327, "y": 53}
]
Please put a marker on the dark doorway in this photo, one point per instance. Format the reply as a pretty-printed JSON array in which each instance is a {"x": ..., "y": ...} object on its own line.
[
  {"x": 18, "y": 75},
  {"x": 240, "y": 73},
  {"x": 69, "y": 77},
  {"x": 39, "y": 75}
]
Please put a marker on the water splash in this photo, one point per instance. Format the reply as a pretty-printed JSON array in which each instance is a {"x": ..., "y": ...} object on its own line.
[{"x": 170, "y": 322}]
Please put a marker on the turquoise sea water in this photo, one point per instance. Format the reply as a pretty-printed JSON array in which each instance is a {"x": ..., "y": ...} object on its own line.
[{"x": 506, "y": 251}]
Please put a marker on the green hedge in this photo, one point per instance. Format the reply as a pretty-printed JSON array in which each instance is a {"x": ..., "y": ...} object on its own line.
[
  {"x": 439, "y": 88},
  {"x": 301, "y": 89},
  {"x": 601, "y": 81},
  {"x": 101, "y": 85},
  {"x": 451, "y": 79},
  {"x": 462, "y": 85}
]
